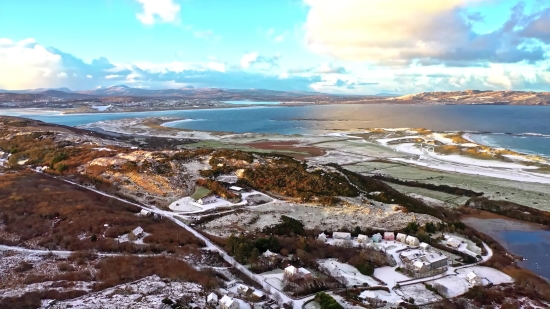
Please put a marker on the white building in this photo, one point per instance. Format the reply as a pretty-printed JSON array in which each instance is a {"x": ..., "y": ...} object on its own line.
[
  {"x": 236, "y": 189},
  {"x": 474, "y": 279},
  {"x": 144, "y": 213},
  {"x": 244, "y": 289},
  {"x": 212, "y": 299},
  {"x": 290, "y": 271},
  {"x": 401, "y": 237},
  {"x": 207, "y": 200},
  {"x": 341, "y": 235},
  {"x": 304, "y": 273},
  {"x": 424, "y": 246},
  {"x": 228, "y": 303},
  {"x": 453, "y": 243},
  {"x": 322, "y": 237},
  {"x": 363, "y": 238},
  {"x": 269, "y": 254},
  {"x": 412, "y": 241},
  {"x": 136, "y": 233}
]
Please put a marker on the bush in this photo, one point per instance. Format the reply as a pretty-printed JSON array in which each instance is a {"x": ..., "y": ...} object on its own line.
[{"x": 326, "y": 301}]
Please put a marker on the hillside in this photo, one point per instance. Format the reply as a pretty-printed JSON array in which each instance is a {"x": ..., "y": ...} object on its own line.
[{"x": 481, "y": 97}]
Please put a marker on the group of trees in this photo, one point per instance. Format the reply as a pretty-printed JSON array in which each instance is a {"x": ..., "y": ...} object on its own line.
[
  {"x": 327, "y": 302},
  {"x": 511, "y": 210},
  {"x": 440, "y": 188}
]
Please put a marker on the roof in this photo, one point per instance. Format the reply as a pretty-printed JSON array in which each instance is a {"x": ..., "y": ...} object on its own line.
[
  {"x": 411, "y": 238},
  {"x": 361, "y": 236},
  {"x": 377, "y": 235},
  {"x": 258, "y": 293},
  {"x": 418, "y": 264},
  {"x": 138, "y": 230},
  {"x": 341, "y": 234},
  {"x": 399, "y": 235},
  {"x": 235, "y": 188},
  {"x": 424, "y": 245},
  {"x": 389, "y": 233},
  {"x": 243, "y": 287},
  {"x": 453, "y": 242},
  {"x": 432, "y": 258},
  {"x": 227, "y": 301},
  {"x": 212, "y": 296},
  {"x": 408, "y": 254},
  {"x": 291, "y": 269},
  {"x": 304, "y": 271},
  {"x": 268, "y": 253},
  {"x": 472, "y": 275},
  {"x": 200, "y": 192}
]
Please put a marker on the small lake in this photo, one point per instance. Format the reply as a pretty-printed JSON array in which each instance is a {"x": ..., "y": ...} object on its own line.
[{"x": 531, "y": 241}]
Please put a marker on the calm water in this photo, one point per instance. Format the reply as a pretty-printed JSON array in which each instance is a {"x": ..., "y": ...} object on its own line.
[
  {"x": 515, "y": 120},
  {"x": 534, "y": 246}
]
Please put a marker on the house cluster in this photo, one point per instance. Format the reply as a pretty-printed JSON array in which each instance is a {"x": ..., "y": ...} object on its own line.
[
  {"x": 228, "y": 302},
  {"x": 294, "y": 273},
  {"x": 376, "y": 238}
]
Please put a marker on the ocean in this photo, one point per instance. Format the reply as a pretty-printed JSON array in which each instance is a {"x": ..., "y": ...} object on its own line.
[{"x": 524, "y": 129}]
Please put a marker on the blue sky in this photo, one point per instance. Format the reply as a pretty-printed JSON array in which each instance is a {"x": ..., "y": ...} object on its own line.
[{"x": 345, "y": 46}]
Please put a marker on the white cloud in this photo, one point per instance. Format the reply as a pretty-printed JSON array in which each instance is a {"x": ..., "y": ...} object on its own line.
[
  {"x": 158, "y": 11},
  {"x": 398, "y": 31},
  {"x": 89, "y": 76},
  {"x": 28, "y": 64},
  {"x": 62, "y": 75},
  {"x": 112, "y": 76},
  {"x": 248, "y": 59},
  {"x": 216, "y": 66}
]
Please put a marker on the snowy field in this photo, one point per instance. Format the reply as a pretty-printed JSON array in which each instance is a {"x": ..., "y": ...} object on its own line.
[
  {"x": 352, "y": 275},
  {"x": 142, "y": 294},
  {"x": 188, "y": 205},
  {"x": 493, "y": 275},
  {"x": 420, "y": 294},
  {"x": 451, "y": 286}
]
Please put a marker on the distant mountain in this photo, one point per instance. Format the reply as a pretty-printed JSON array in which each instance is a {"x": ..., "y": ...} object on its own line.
[
  {"x": 507, "y": 97},
  {"x": 387, "y": 94},
  {"x": 35, "y": 91}
]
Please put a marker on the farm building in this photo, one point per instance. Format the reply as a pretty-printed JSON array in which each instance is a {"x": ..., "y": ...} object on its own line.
[
  {"x": 409, "y": 256},
  {"x": 376, "y": 237},
  {"x": 453, "y": 243},
  {"x": 401, "y": 237},
  {"x": 389, "y": 236},
  {"x": 304, "y": 273},
  {"x": 236, "y": 189},
  {"x": 424, "y": 246},
  {"x": 322, "y": 237},
  {"x": 435, "y": 260},
  {"x": 135, "y": 234},
  {"x": 412, "y": 241},
  {"x": 474, "y": 279},
  {"x": 258, "y": 295},
  {"x": 212, "y": 299},
  {"x": 341, "y": 235},
  {"x": 228, "y": 303}
]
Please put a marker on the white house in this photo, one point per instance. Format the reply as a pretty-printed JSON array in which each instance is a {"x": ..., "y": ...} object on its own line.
[
  {"x": 401, "y": 237},
  {"x": 236, "y": 189},
  {"x": 435, "y": 260},
  {"x": 389, "y": 236},
  {"x": 144, "y": 213},
  {"x": 376, "y": 237},
  {"x": 258, "y": 294},
  {"x": 228, "y": 303},
  {"x": 368, "y": 295},
  {"x": 322, "y": 237},
  {"x": 212, "y": 299},
  {"x": 453, "y": 243},
  {"x": 136, "y": 233},
  {"x": 412, "y": 241},
  {"x": 207, "y": 200},
  {"x": 290, "y": 271},
  {"x": 424, "y": 246},
  {"x": 244, "y": 289},
  {"x": 341, "y": 235},
  {"x": 474, "y": 279},
  {"x": 363, "y": 238}
]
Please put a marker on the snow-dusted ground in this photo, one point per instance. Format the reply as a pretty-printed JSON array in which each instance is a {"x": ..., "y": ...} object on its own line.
[
  {"x": 420, "y": 294},
  {"x": 352, "y": 275},
  {"x": 188, "y": 205},
  {"x": 142, "y": 294},
  {"x": 493, "y": 275},
  {"x": 453, "y": 285}
]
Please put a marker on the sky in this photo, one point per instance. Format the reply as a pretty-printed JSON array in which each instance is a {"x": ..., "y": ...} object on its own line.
[{"x": 331, "y": 46}]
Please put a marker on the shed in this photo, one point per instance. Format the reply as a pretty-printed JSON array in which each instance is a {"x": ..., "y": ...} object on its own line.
[
  {"x": 453, "y": 243},
  {"x": 290, "y": 271},
  {"x": 376, "y": 237},
  {"x": 412, "y": 241},
  {"x": 341, "y": 235},
  {"x": 236, "y": 189},
  {"x": 322, "y": 237},
  {"x": 424, "y": 246},
  {"x": 401, "y": 237},
  {"x": 136, "y": 233},
  {"x": 144, "y": 212},
  {"x": 389, "y": 236},
  {"x": 474, "y": 279}
]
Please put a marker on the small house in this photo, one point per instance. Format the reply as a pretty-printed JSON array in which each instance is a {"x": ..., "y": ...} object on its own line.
[
  {"x": 401, "y": 237},
  {"x": 304, "y": 273},
  {"x": 474, "y": 279},
  {"x": 144, "y": 213},
  {"x": 228, "y": 303},
  {"x": 421, "y": 266},
  {"x": 412, "y": 241},
  {"x": 322, "y": 237},
  {"x": 136, "y": 233},
  {"x": 363, "y": 238},
  {"x": 291, "y": 272},
  {"x": 259, "y": 295},
  {"x": 368, "y": 295},
  {"x": 453, "y": 243},
  {"x": 376, "y": 237},
  {"x": 341, "y": 235},
  {"x": 424, "y": 246},
  {"x": 409, "y": 256},
  {"x": 244, "y": 290},
  {"x": 212, "y": 299},
  {"x": 389, "y": 236},
  {"x": 435, "y": 260}
]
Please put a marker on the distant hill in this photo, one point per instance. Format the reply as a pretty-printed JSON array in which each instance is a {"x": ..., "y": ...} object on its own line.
[{"x": 481, "y": 97}]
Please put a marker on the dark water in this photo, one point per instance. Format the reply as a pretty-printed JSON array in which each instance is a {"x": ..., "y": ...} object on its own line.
[
  {"x": 534, "y": 246},
  {"x": 516, "y": 120}
]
